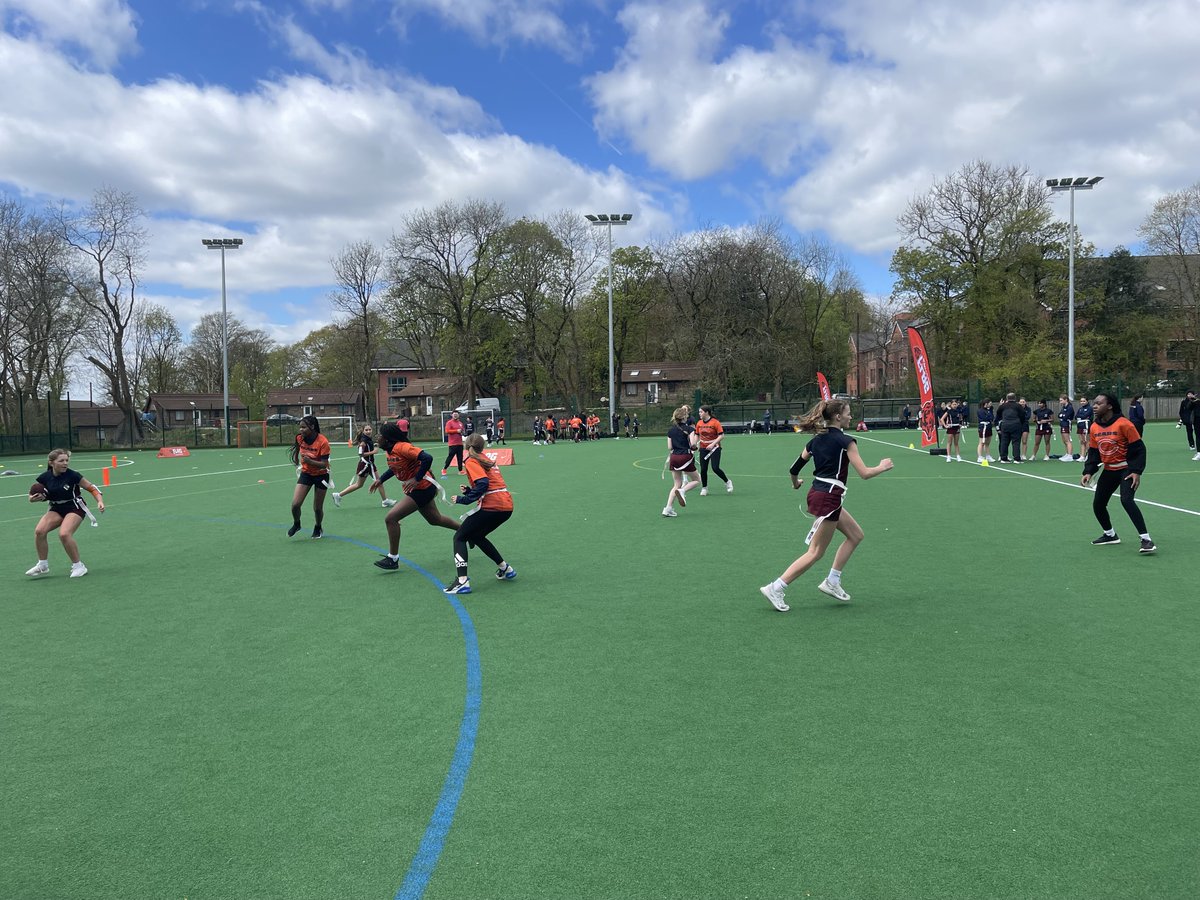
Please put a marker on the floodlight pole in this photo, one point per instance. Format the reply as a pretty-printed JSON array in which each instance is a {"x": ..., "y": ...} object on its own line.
[
  {"x": 610, "y": 220},
  {"x": 224, "y": 244},
  {"x": 1071, "y": 185}
]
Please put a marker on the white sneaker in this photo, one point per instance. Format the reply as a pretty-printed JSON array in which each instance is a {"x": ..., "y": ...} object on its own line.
[
  {"x": 775, "y": 595},
  {"x": 337, "y": 499},
  {"x": 958, "y": 458},
  {"x": 669, "y": 513},
  {"x": 1045, "y": 459},
  {"x": 833, "y": 590},
  {"x": 1196, "y": 457},
  {"x": 703, "y": 492},
  {"x": 979, "y": 459},
  {"x": 39, "y": 570},
  {"x": 78, "y": 570},
  {"x": 387, "y": 504},
  {"x": 1066, "y": 457},
  {"x": 991, "y": 459},
  {"x": 729, "y": 486}
]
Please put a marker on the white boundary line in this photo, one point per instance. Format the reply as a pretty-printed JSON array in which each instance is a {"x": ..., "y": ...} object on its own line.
[{"x": 1011, "y": 471}]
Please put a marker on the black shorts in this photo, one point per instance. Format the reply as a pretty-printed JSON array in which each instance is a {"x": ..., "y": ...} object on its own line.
[
  {"x": 423, "y": 496},
  {"x": 825, "y": 503},
  {"x": 64, "y": 510},
  {"x": 317, "y": 481}
]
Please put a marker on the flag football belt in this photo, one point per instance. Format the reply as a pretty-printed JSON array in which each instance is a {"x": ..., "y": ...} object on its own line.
[{"x": 827, "y": 485}]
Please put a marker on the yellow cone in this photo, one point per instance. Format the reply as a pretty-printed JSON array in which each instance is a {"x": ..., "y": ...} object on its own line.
[
  {"x": 984, "y": 463},
  {"x": 910, "y": 447}
]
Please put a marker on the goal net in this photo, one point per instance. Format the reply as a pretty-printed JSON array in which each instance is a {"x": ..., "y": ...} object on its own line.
[
  {"x": 337, "y": 429},
  {"x": 251, "y": 433}
]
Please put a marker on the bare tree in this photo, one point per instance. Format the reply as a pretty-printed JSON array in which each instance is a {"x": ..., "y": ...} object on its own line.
[
  {"x": 1172, "y": 229},
  {"x": 445, "y": 264},
  {"x": 358, "y": 272},
  {"x": 160, "y": 345},
  {"x": 109, "y": 240}
]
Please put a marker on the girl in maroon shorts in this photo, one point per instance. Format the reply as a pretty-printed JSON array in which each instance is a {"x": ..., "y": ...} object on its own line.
[
  {"x": 833, "y": 452},
  {"x": 681, "y": 442}
]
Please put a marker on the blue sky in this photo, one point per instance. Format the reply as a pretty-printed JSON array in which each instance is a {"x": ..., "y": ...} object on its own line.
[{"x": 302, "y": 126}]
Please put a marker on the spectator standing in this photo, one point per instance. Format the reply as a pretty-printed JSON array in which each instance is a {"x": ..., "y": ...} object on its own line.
[
  {"x": 1187, "y": 414},
  {"x": 1009, "y": 418},
  {"x": 1137, "y": 414}
]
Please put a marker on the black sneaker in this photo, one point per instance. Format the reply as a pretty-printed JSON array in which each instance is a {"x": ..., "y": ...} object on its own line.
[
  {"x": 293, "y": 530},
  {"x": 1106, "y": 539},
  {"x": 1147, "y": 546},
  {"x": 317, "y": 533},
  {"x": 388, "y": 563}
]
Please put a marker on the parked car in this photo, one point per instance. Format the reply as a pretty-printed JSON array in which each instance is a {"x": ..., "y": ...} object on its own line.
[{"x": 281, "y": 419}]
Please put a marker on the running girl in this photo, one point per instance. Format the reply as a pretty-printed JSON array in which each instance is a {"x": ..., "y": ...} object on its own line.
[
  {"x": 495, "y": 507},
  {"x": 834, "y": 452},
  {"x": 710, "y": 434},
  {"x": 411, "y": 465},
  {"x": 454, "y": 441},
  {"x": 311, "y": 454},
  {"x": 366, "y": 467},
  {"x": 62, "y": 486},
  {"x": 681, "y": 442}
]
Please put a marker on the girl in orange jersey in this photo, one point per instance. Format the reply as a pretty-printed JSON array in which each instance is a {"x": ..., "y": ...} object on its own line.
[
  {"x": 311, "y": 454},
  {"x": 487, "y": 488},
  {"x": 411, "y": 465},
  {"x": 710, "y": 434}
]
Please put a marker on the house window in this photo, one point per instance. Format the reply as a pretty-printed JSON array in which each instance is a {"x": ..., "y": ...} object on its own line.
[
  {"x": 631, "y": 388},
  {"x": 397, "y": 383},
  {"x": 179, "y": 415}
]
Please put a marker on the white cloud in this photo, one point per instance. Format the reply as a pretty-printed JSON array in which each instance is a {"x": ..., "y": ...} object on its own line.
[
  {"x": 501, "y": 22},
  {"x": 866, "y": 103},
  {"x": 101, "y": 30}
]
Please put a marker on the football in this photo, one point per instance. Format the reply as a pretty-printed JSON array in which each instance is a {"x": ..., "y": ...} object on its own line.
[{"x": 37, "y": 490}]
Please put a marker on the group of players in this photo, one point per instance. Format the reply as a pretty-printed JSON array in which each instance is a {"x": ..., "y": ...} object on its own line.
[
  {"x": 575, "y": 427},
  {"x": 413, "y": 468},
  {"x": 1111, "y": 443}
]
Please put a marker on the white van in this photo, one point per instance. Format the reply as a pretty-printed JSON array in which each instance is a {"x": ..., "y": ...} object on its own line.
[{"x": 491, "y": 404}]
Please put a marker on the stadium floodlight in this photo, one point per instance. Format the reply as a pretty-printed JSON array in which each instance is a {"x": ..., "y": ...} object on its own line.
[
  {"x": 224, "y": 244},
  {"x": 608, "y": 220},
  {"x": 1071, "y": 185}
]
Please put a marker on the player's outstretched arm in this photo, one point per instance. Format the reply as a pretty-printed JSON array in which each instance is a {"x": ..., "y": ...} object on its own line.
[{"x": 864, "y": 471}]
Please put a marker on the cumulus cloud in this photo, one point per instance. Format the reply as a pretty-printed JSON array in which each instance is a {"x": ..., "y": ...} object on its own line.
[
  {"x": 98, "y": 30},
  {"x": 857, "y": 106},
  {"x": 500, "y": 22}
]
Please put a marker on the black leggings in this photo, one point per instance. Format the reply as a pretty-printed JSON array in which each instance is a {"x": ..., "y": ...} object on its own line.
[
  {"x": 455, "y": 452},
  {"x": 474, "y": 531},
  {"x": 715, "y": 462},
  {"x": 1007, "y": 438},
  {"x": 1106, "y": 485}
]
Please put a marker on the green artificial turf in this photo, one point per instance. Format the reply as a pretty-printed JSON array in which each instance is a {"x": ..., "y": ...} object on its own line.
[{"x": 218, "y": 711}]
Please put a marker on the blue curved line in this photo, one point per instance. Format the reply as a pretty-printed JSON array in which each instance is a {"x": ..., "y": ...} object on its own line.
[{"x": 420, "y": 870}]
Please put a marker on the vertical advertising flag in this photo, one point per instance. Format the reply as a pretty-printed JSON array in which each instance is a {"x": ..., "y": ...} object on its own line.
[
  {"x": 823, "y": 384},
  {"x": 928, "y": 418}
]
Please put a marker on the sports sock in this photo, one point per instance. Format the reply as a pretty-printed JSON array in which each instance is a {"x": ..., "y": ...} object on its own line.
[
  {"x": 779, "y": 584},
  {"x": 1110, "y": 532},
  {"x": 395, "y": 556},
  {"x": 835, "y": 576},
  {"x": 1144, "y": 537}
]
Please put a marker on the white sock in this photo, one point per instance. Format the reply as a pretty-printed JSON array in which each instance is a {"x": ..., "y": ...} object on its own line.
[
  {"x": 835, "y": 576},
  {"x": 1144, "y": 537},
  {"x": 395, "y": 556},
  {"x": 779, "y": 585},
  {"x": 1110, "y": 532}
]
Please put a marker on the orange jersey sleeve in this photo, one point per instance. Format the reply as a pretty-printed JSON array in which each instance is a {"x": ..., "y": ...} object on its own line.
[{"x": 708, "y": 431}]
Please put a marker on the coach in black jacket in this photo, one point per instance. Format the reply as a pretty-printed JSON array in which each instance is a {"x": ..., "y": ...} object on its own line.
[{"x": 1009, "y": 418}]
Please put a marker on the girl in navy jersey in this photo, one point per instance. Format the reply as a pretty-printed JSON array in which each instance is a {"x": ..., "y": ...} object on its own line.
[
  {"x": 62, "y": 486},
  {"x": 681, "y": 442},
  {"x": 987, "y": 419},
  {"x": 367, "y": 467},
  {"x": 834, "y": 452}
]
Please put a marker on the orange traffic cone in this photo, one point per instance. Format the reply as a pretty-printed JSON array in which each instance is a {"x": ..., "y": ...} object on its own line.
[
  {"x": 104, "y": 476},
  {"x": 114, "y": 465}
]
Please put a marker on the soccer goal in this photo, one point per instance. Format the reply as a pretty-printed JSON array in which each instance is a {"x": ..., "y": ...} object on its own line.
[
  {"x": 251, "y": 433},
  {"x": 337, "y": 429}
]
